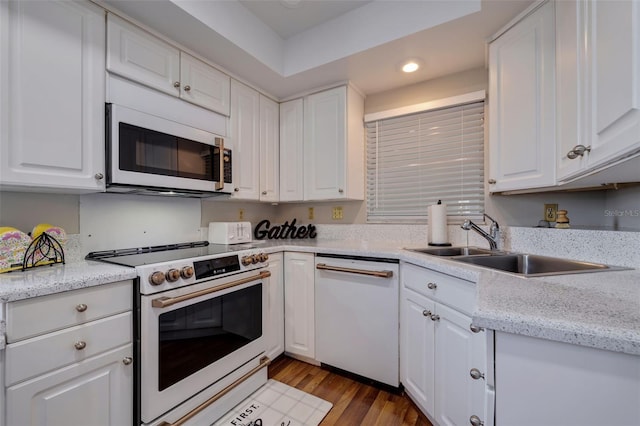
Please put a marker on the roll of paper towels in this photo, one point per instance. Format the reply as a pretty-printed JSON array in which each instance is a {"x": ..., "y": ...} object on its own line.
[{"x": 437, "y": 224}]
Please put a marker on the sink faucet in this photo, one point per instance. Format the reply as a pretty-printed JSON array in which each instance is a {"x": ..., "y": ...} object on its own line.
[{"x": 492, "y": 236}]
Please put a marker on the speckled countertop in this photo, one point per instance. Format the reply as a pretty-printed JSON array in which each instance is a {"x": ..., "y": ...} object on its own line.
[{"x": 600, "y": 310}]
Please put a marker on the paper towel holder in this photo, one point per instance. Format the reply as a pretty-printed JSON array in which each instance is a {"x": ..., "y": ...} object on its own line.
[{"x": 439, "y": 244}]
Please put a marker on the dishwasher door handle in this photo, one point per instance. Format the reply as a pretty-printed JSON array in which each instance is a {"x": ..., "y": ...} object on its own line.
[{"x": 380, "y": 274}]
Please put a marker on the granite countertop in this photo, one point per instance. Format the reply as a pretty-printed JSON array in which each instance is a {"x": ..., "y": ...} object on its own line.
[{"x": 600, "y": 310}]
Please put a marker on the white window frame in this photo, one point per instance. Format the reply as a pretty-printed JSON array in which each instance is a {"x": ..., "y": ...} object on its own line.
[{"x": 454, "y": 212}]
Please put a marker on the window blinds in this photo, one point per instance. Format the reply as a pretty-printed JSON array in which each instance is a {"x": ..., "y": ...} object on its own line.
[{"x": 415, "y": 160}]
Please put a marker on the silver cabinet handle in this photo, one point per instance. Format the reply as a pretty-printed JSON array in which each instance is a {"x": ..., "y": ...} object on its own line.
[
  {"x": 475, "y": 328},
  {"x": 476, "y": 374},
  {"x": 435, "y": 317},
  {"x": 236, "y": 189},
  {"x": 432, "y": 286},
  {"x": 426, "y": 313},
  {"x": 81, "y": 307},
  {"x": 475, "y": 421},
  {"x": 98, "y": 176},
  {"x": 127, "y": 360},
  {"x": 80, "y": 345},
  {"x": 264, "y": 192},
  {"x": 491, "y": 181},
  {"x": 578, "y": 151},
  {"x": 379, "y": 274},
  {"x": 176, "y": 84},
  {"x": 187, "y": 88},
  {"x": 340, "y": 190}
]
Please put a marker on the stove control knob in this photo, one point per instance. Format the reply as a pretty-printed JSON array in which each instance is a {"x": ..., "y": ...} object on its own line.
[
  {"x": 263, "y": 257},
  {"x": 156, "y": 278},
  {"x": 186, "y": 272},
  {"x": 256, "y": 258},
  {"x": 247, "y": 260},
  {"x": 173, "y": 275}
]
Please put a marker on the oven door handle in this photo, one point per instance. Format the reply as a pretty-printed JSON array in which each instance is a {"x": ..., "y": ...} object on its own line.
[
  {"x": 264, "y": 361},
  {"x": 163, "y": 302},
  {"x": 380, "y": 274}
]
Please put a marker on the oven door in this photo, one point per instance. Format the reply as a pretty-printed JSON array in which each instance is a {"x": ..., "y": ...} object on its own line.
[
  {"x": 193, "y": 336},
  {"x": 149, "y": 151}
]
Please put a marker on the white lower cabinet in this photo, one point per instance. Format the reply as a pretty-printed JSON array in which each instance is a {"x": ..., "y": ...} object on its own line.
[
  {"x": 440, "y": 353},
  {"x": 543, "y": 382},
  {"x": 299, "y": 304},
  {"x": 74, "y": 364},
  {"x": 275, "y": 305},
  {"x": 97, "y": 391}
]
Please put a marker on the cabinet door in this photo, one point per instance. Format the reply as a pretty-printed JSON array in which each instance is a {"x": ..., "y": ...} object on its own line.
[
  {"x": 52, "y": 95},
  {"x": 269, "y": 150},
  {"x": 522, "y": 104},
  {"x": 570, "y": 84},
  {"x": 204, "y": 85},
  {"x": 244, "y": 133},
  {"x": 275, "y": 305},
  {"x": 417, "y": 355},
  {"x": 458, "y": 350},
  {"x": 94, "y": 392},
  {"x": 291, "y": 151},
  {"x": 139, "y": 56},
  {"x": 325, "y": 139},
  {"x": 614, "y": 54},
  {"x": 299, "y": 309}
]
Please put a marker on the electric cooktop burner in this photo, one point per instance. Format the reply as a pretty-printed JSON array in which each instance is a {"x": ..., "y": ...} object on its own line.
[{"x": 157, "y": 254}]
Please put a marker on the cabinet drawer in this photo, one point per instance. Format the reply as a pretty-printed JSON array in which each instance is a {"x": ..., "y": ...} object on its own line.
[
  {"x": 41, "y": 354},
  {"x": 32, "y": 317},
  {"x": 455, "y": 292}
]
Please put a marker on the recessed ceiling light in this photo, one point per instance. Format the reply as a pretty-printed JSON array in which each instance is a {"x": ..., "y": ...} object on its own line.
[{"x": 410, "y": 66}]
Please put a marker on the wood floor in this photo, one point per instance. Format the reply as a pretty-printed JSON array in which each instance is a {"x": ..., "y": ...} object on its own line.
[{"x": 354, "y": 403}]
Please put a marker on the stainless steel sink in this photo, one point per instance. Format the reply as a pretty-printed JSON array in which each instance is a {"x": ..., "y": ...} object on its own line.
[
  {"x": 533, "y": 265},
  {"x": 454, "y": 251}
]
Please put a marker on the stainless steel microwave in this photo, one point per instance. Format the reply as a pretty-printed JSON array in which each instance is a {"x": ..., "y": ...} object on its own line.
[{"x": 147, "y": 154}]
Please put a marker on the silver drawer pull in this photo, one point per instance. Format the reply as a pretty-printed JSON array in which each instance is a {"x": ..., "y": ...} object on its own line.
[
  {"x": 476, "y": 374},
  {"x": 435, "y": 317},
  {"x": 475, "y": 421},
  {"x": 80, "y": 345},
  {"x": 81, "y": 307},
  {"x": 426, "y": 313},
  {"x": 127, "y": 360},
  {"x": 432, "y": 286},
  {"x": 475, "y": 328}
]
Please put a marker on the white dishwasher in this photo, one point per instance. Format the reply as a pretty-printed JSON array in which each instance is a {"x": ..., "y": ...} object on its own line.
[{"x": 357, "y": 315}]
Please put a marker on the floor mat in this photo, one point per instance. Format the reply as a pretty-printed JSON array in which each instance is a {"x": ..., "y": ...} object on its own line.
[{"x": 277, "y": 404}]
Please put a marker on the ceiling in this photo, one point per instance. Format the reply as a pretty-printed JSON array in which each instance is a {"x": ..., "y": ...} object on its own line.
[{"x": 287, "y": 47}]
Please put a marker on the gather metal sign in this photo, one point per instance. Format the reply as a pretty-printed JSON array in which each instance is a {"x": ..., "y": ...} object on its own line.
[{"x": 264, "y": 230}]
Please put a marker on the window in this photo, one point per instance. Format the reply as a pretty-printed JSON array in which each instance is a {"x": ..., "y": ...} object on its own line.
[{"x": 417, "y": 159}]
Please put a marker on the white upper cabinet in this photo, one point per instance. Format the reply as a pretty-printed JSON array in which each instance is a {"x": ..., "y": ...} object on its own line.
[
  {"x": 244, "y": 134},
  {"x": 254, "y": 137},
  {"x": 333, "y": 145},
  {"x": 598, "y": 53},
  {"x": 291, "y": 150},
  {"x": 522, "y": 104},
  {"x": 204, "y": 85},
  {"x": 138, "y": 55},
  {"x": 52, "y": 96},
  {"x": 269, "y": 150}
]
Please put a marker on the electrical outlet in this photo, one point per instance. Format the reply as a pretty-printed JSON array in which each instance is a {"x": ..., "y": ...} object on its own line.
[
  {"x": 550, "y": 212},
  {"x": 337, "y": 213},
  {"x": 241, "y": 214},
  {"x": 310, "y": 213}
]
